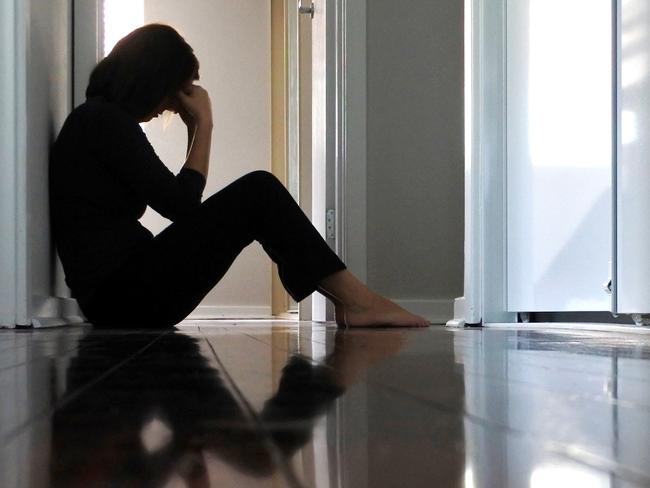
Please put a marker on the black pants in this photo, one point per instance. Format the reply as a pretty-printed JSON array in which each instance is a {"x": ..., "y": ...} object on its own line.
[{"x": 169, "y": 276}]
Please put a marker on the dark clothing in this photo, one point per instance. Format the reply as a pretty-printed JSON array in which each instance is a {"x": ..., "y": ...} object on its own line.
[
  {"x": 164, "y": 280},
  {"x": 104, "y": 173}
]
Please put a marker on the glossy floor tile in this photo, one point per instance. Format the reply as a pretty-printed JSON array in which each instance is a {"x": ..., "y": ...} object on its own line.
[{"x": 276, "y": 403}]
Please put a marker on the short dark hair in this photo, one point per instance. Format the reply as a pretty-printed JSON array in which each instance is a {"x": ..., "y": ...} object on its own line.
[{"x": 144, "y": 67}]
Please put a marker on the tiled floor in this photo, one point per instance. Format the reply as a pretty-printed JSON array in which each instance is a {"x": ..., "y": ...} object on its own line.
[{"x": 271, "y": 404}]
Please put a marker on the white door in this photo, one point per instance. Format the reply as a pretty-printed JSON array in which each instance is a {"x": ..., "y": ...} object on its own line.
[
  {"x": 559, "y": 142},
  {"x": 632, "y": 284}
]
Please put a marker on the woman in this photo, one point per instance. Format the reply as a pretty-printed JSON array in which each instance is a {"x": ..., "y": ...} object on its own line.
[{"x": 104, "y": 173}]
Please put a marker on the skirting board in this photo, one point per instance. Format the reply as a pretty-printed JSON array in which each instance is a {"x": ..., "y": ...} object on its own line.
[
  {"x": 61, "y": 311},
  {"x": 55, "y": 311},
  {"x": 458, "y": 319},
  {"x": 436, "y": 311},
  {"x": 230, "y": 312},
  {"x": 572, "y": 326}
]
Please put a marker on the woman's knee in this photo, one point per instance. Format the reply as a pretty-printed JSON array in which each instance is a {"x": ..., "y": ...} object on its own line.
[
  {"x": 259, "y": 186},
  {"x": 261, "y": 178}
]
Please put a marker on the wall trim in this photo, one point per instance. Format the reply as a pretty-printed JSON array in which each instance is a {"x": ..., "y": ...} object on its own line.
[
  {"x": 351, "y": 157},
  {"x": 55, "y": 311},
  {"x": 485, "y": 288},
  {"x": 570, "y": 327},
  {"x": 460, "y": 313},
  {"x": 230, "y": 312},
  {"x": 437, "y": 311}
]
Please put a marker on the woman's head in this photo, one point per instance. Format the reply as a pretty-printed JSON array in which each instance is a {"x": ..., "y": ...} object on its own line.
[{"x": 144, "y": 70}]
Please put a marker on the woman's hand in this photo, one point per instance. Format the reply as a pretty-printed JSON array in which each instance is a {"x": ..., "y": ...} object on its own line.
[
  {"x": 186, "y": 117},
  {"x": 195, "y": 104}
]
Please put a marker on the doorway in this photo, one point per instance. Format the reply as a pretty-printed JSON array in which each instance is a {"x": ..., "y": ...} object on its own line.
[
  {"x": 557, "y": 162},
  {"x": 266, "y": 125},
  {"x": 73, "y": 31}
]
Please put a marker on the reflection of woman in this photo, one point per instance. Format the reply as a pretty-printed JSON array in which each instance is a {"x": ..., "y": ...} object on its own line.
[
  {"x": 100, "y": 435},
  {"x": 104, "y": 174}
]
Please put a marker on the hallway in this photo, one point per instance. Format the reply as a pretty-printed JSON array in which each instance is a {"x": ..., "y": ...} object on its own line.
[{"x": 268, "y": 403}]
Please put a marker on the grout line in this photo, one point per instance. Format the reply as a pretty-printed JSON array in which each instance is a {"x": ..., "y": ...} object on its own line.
[
  {"x": 16, "y": 431},
  {"x": 565, "y": 449},
  {"x": 568, "y": 327},
  {"x": 608, "y": 401},
  {"x": 248, "y": 409},
  {"x": 63, "y": 355}
]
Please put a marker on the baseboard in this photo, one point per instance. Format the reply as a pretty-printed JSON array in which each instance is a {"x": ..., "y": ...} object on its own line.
[
  {"x": 438, "y": 311},
  {"x": 570, "y": 327},
  {"x": 56, "y": 311},
  {"x": 230, "y": 312},
  {"x": 53, "y": 311},
  {"x": 458, "y": 319}
]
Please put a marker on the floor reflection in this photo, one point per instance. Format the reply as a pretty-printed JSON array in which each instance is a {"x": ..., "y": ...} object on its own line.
[
  {"x": 149, "y": 419},
  {"x": 143, "y": 412},
  {"x": 274, "y": 404},
  {"x": 563, "y": 409}
]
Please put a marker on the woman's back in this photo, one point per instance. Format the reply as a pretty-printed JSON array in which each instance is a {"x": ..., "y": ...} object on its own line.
[{"x": 103, "y": 175}]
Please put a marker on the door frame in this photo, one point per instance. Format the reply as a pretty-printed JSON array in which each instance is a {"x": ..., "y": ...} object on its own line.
[
  {"x": 338, "y": 171},
  {"x": 339, "y": 134},
  {"x": 279, "y": 125},
  {"x": 87, "y": 44},
  {"x": 485, "y": 275},
  {"x": 351, "y": 158},
  {"x": 485, "y": 289}
]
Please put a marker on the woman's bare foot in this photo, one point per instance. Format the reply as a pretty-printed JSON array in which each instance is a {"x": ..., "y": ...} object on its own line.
[
  {"x": 380, "y": 312},
  {"x": 357, "y": 306}
]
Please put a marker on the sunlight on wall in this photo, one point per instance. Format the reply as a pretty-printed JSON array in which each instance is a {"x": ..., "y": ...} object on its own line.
[
  {"x": 634, "y": 69},
  {"x": 469, "y": 478},
  {"x": 569, "y": 76},
  {"x": 632, "y": 37},
  {"x": 567, "y": 476},
  {"x": 120, "y": 18},
  {"x": 629, "y": 131}
]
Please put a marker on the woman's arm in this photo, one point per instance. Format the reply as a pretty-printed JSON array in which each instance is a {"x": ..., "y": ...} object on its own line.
[
  {"x": 196, "y": 102},
  {"x": 121, "y": 146}
]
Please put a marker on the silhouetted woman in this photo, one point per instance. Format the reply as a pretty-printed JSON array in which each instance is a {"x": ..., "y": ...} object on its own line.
[{"x": 104, "y": 173}]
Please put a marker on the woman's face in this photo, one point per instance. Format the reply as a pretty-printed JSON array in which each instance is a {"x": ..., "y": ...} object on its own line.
[{"x": 169, "y": 103}]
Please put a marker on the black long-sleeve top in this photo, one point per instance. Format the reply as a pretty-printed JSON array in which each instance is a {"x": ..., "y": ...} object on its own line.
[{"x": 103, "y": 174}]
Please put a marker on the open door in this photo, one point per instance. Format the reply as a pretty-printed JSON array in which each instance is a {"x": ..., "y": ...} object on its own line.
[{"x": 632, "y": 265}]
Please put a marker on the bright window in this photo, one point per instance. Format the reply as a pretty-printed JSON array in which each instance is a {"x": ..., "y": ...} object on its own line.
[{"x": 120, "y": 18}]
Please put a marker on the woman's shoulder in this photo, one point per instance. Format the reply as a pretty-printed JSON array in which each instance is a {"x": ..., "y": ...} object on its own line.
[
  {"x": 97, "y": 120},
  {"x": 100, "y": 110}
]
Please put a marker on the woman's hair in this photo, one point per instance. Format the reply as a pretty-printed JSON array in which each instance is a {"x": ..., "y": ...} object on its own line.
[{"x": 144, "y": 67}]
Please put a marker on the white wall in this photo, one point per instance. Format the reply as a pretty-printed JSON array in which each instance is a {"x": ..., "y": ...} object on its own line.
[
  {"x": 232, "y": 41},
  {"x": 36, "y": 91},
  {"x": 8, "y": 147},
  {"x": 48, "y": 95},
  {"x": 415, "y": 151}
]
